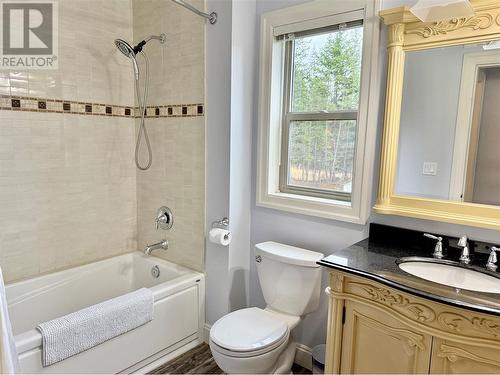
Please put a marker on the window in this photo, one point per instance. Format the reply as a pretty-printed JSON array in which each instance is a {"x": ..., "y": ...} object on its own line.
[
  {"x": 318, "y": 67},
  {"x": 322, "y": 70}
]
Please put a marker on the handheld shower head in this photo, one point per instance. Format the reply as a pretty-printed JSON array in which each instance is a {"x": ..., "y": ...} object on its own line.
[
  {"x": 128, "y": 51},
  {"x": 124, "y": 47},
  {"x": 132, "y": 52}
]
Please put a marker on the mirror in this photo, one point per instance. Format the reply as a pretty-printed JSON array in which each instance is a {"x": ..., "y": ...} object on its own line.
[
  {"x": 439, "y": 159},
  {"x": 449, "y": 134}
]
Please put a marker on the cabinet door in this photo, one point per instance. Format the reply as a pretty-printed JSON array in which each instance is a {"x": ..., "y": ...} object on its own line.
[
  {"x": 375, "y": 342},
  {"x": 449, "y": 357}
]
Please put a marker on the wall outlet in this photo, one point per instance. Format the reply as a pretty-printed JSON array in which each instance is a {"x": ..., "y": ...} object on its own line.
[{"x": 430, "y": 168}]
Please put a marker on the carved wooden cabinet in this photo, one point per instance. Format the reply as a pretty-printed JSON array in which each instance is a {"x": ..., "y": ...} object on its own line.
[
  {"x": 451, "y": 357},
  {"x": 373, "y": 328},
  {"x": 374, "y": 342}
]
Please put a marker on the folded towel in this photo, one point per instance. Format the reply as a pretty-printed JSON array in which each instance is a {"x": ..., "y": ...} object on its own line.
[
  {"x": 76, "y": 332},
  {"x": 9, "y": 361}
]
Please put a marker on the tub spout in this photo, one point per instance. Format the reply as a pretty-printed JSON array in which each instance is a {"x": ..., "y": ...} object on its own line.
[{"x": 160, "y": 245}]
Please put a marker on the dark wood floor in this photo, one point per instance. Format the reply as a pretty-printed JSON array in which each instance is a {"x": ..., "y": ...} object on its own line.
[{"x": 199, "y": 360}]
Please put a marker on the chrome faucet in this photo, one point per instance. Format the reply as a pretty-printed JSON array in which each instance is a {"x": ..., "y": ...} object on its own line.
[
  {"x": 438, "y": 249},
  {"x": 491, "y": 265},
  {"x": 160, "y": 245},
  {"x": 465, "y": 257}
]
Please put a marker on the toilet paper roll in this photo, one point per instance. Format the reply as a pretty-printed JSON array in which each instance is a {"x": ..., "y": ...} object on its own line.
[{"x": 220, "y": 236}]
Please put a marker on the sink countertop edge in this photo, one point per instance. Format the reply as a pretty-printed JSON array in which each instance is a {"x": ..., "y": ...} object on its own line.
[{"x": 411, "y": 290}]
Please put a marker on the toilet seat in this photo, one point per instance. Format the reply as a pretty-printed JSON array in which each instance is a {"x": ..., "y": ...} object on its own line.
[
  {"x": 248, "y": 332},
  {"x": 278, "y": 346}
]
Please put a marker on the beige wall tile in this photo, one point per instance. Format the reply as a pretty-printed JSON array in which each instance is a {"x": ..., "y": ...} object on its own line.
[
  {"x": 69, "y": 190},
  {"x": 90, "y": 67},
  {"x": 176, "y": 180},
  {"x": 68, "y": 182},
  {"x": 177, "y": 67},
  {"x": 177, "y": 176}
]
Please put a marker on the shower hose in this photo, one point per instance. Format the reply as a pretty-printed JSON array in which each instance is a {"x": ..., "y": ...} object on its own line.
[{"x": 142, "y": 127}]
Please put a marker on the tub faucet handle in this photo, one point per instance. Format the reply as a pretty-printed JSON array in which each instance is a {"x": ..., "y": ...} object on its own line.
[{"x": 164, "y": 218}]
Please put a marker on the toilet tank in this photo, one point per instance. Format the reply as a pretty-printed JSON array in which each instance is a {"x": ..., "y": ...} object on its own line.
[{"x": 289, "y": 277}]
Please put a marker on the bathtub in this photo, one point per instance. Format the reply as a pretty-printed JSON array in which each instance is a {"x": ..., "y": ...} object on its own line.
[{"x": 177, "y": 321}]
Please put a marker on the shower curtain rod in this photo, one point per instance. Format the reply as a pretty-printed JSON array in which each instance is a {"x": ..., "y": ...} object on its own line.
[{"x": 212, "y": 17}]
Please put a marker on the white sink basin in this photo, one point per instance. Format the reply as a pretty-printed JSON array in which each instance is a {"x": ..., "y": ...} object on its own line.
[{"x": 453, "y": 276}]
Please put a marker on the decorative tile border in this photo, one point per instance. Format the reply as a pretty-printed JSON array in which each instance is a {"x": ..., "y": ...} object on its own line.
[
  {"x": 30, "y": 104},
  {"x": 175, "y": 110}
]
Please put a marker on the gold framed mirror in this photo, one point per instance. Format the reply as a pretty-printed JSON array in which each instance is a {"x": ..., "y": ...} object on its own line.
[{"x": 439, "y": 157}]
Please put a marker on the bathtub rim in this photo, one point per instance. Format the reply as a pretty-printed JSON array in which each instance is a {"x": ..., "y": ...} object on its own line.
[
  {"x": 70, "y": 269},
  {"x": 32, "y": 339}
]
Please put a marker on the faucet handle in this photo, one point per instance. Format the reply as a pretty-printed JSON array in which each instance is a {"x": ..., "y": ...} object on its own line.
[
  {"x": 433, "y": 237},
  {"x": 164, "y": 218},
  {"x": 465, "y": 257},
  {"x": 462, "y": 241},
  {"x": 438, "y": 250},
  {"x": 491, "y": 265}
]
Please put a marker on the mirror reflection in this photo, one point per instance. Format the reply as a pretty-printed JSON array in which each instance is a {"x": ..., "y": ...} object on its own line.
[{"x": 449, "y": 146}]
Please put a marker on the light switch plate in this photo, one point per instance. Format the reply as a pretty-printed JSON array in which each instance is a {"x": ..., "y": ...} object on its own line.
[{"x": 430, "y": 168}]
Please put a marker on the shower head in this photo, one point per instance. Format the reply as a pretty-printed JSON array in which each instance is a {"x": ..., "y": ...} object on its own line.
[
  {"x": 124, "y": 47},
  {"x": 128, "y": 51},
  {"x": 131, "y": 52}
]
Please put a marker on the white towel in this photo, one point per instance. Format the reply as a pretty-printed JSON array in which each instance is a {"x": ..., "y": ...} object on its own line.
[
  {"x": 76, "y": 332},
  {"x": 9, "y": 361}
]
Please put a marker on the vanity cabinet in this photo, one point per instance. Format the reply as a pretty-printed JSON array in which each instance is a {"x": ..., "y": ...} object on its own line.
[
  {"x": 373, "y": 328},
  {"x": 451, "y": 357},
  {"x": 374, "y": 342}
]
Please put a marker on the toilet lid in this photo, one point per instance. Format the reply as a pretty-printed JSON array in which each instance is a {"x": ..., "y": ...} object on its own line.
[{"x": 247, "y": 330}]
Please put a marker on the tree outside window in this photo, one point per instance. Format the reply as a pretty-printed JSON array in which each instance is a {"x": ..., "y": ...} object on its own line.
[{"x": 321, "y": 101}]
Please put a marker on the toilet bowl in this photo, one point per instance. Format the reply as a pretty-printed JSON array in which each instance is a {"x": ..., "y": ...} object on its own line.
[
  {"x": 250, "y": 341},
  {"x": 254, "y": 340}
]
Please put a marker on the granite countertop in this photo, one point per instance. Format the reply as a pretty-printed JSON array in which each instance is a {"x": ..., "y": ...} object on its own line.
[{"x": 375, "y": 259}]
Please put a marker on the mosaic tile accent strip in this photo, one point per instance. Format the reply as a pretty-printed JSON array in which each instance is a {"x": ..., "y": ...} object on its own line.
[
  {"x": 174, "y": 110},
  {"x": 21, "y": 103}
]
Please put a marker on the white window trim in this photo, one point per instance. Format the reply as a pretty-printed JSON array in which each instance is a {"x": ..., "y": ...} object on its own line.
[{"x": 270, "y": 101}]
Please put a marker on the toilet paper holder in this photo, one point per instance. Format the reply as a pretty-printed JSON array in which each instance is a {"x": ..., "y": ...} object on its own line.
[{"x": 222, "y": 223}]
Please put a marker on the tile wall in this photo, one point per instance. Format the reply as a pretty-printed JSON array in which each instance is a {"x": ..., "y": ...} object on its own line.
[
  {"x": 69, "y": 190},
  {"x": 177, "y": 176},
  {"x": 67, "y": 180}
]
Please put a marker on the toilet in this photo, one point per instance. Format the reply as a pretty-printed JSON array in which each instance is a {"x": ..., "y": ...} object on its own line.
[{"x": 255, "y": 340}]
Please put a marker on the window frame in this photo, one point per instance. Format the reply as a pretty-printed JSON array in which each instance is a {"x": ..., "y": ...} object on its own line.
[
  {"x": 314, "y": 15},
  {"x": 289, "y": 116}
]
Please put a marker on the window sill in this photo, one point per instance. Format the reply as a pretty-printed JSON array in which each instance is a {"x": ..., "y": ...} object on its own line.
[{"x": 311, "y": 206}]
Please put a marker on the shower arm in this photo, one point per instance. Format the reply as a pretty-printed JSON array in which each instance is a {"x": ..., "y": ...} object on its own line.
[
  {"x": 212, "y": 17},
  {"x": 138, "y": 48},
  {"x": 161, "y": 38}
]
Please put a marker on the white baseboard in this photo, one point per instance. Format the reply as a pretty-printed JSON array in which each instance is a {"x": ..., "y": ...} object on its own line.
[{"x": 303, "y": 355}]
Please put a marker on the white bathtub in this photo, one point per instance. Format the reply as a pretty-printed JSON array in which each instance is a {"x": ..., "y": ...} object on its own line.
[{"x": 177, "y": 321}]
